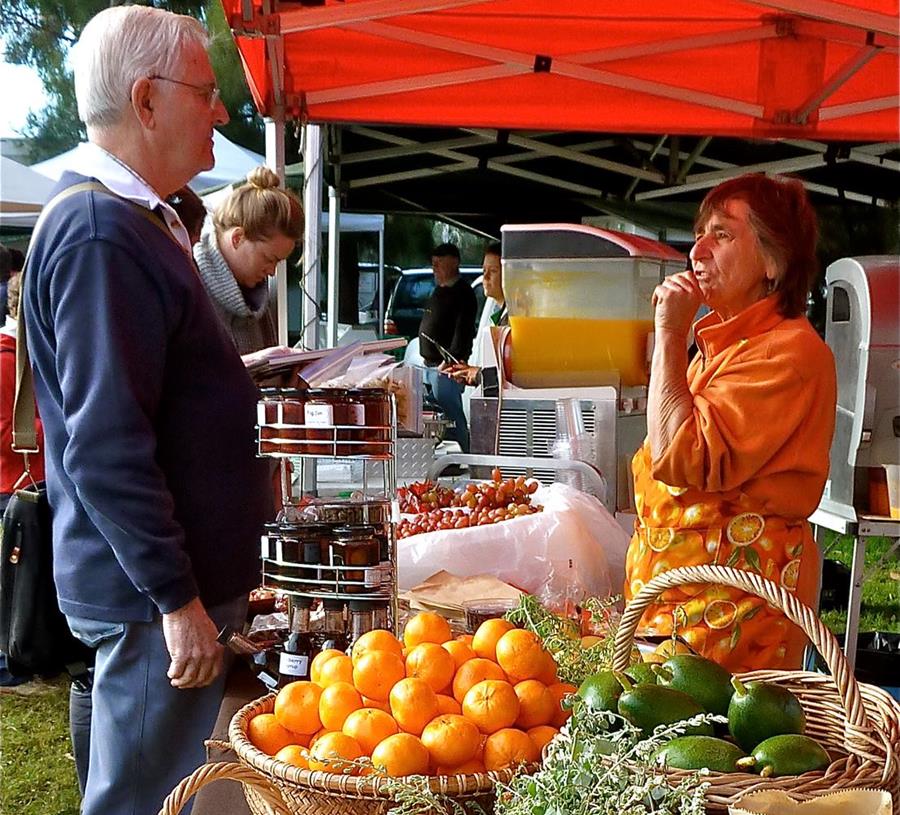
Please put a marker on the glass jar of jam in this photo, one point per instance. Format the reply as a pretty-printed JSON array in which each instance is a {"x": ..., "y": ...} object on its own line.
[
  {"x": 354, "y": 432},
  {"x": 324, "y": 408},
  {"x": 353, "y": 546},
  {"x": 377, "y": 431}
]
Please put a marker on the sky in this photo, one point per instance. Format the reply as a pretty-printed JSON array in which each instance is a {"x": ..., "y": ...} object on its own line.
[{"x": 22, "y": 91}]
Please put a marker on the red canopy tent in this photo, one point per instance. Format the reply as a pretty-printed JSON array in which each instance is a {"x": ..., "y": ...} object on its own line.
[{"x": 811, "y": 69}]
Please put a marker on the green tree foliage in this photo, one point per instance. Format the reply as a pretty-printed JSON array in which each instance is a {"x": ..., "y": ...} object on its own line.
[{"x": 39, "y": 33}]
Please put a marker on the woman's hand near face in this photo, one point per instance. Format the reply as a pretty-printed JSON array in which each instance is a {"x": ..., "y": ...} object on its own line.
[{"x": 676, "y": 301}]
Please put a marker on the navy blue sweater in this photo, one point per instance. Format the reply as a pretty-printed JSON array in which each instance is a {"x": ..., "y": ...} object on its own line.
[{"x": 148, "y": 418}]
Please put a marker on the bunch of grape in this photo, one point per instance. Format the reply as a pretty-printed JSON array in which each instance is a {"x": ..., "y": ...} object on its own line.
[
  {"x": 481, "y": 504},
  {"x": 424, "y": 496}
]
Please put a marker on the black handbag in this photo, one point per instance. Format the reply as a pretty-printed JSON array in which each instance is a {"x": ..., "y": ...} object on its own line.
[{"x": 33, "y": 631}]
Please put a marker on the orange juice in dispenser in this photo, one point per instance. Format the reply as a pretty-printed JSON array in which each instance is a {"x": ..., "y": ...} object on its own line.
[{"x": 579, "y": 301}]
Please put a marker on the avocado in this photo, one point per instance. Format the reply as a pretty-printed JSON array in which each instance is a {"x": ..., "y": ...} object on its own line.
[
  {"x": 761, "y": 710},
  {"x": 702, "y": 679},
  {"x": 648, "y": 706},
  {"x": 601, "y": 691},
  {"x": 789, "y": 754},
  {"x": 642, "y": 673},
  {"x": 697, "y": 752}
]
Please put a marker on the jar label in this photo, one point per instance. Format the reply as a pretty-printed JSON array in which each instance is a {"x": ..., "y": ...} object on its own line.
[
  {"x": 318, "y": 415},
  {"x": 264, "y": 547},
  {"x": 379, "y": 576},
  {"x": 356, "y": 414},
  {"x": 293, "y": 664}
]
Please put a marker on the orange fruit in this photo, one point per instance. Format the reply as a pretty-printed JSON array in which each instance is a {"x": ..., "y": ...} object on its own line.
[
  {"x": 336, "y": 669},
  {"x": 536, "y": 704},
  {"x": 318, "y": 735},
  {"x": 492, "y": 705},
  {"x": 266, "y": 734},
  {"x": 297, "y": 707},
  {"x": 471, "y": 673},
  {"x": 541, "y": 735},
  {"x": 336, "y": 703},
  {"x": 469, "y": 768},
  {"x": 559, "y": 691},
  {"x": 521, "y": 654},
  {"x": 377, "y": 640},
  {"x": 320, "y": 659},
  {"x": 333, "y": 752},
  {"x": 459, "y": 651},
  {"x": 369, "y": 726},
  {"x": 433, "y": 664},
  {"x": 294, "y": 754},
  {"x": 484, "y": 643},
  {"x": 413, "y": 704},
  {"x": 376, "y": 672},
  {"x": 426, "y": 626},
  {"x": 451, "y": 740},
  {"x": 508, "y": 748},
  {"x": 447, "y": 704},
  {"x": 385, "y": 705},
  {"x": 466, "y": 639},
  {"x": 401, "y": 754},
  {"x": 548, "y": 675}
]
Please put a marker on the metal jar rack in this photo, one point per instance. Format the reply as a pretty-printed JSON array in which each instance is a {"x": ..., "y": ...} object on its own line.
[{"x": 290, "y": 564}]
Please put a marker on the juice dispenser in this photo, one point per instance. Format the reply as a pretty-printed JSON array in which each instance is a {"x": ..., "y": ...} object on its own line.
[{"x": 579, "y": 301}]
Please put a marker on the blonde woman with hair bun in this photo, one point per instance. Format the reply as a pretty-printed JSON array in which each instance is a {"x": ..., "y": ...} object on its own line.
[{"x": 251, "y": 231}]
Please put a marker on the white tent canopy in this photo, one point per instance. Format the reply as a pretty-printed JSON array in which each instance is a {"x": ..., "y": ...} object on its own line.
[
  {"x": 23, "y": 193},
  {"x": 232, "y": 164}
]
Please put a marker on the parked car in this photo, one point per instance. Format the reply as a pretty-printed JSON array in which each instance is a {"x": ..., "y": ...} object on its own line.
[{"x": 411, "y": 292}]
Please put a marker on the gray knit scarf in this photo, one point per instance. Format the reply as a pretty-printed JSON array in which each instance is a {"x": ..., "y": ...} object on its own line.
[{"x": 244, "y": 312}]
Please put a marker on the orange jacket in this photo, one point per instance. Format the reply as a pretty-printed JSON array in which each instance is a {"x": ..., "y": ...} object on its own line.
[{"x": 763, "y": 412}]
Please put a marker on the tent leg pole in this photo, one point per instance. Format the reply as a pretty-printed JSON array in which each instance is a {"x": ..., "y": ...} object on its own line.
[
  {"x": 278, "y": 284},
  {"x": 312, "y": 204},
  {"x": 334, "y": 259}
]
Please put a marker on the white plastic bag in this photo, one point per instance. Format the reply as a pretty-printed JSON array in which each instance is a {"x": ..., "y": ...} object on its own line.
[{"x": 573, "y": 548}]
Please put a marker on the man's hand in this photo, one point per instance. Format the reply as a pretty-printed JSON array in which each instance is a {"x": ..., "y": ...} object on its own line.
[
  {"x": 462, "y": 373},
  {"x": 264, "y": 354},
  {"x": 191, "y": 639},
  {"x": 676, "y": 301}
]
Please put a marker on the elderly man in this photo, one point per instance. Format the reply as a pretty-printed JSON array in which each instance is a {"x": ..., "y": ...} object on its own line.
[{"x": 148, "y": 412}]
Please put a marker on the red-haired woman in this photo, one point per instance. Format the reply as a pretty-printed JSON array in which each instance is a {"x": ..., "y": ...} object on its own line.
[{"x": 736, "y": 454}]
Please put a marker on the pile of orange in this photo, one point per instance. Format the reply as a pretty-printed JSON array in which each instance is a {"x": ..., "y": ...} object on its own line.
[{"x": 430, "y": 704}]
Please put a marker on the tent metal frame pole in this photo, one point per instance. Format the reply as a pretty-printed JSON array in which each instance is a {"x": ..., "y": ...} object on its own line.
[
  {"x": 334, "y": 265},
  {"x": 312, "y": 256},
  {"x": 309, "y": 20},
  {"x": 380, "y": 281},
  {"x": 274, "y": 133}
]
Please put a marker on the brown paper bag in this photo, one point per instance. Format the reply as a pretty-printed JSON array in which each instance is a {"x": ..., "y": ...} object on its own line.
[{"x": 847, "y": 802}]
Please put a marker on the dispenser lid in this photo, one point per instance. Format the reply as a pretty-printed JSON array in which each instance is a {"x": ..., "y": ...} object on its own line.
[{"x": 530, "y": 241}]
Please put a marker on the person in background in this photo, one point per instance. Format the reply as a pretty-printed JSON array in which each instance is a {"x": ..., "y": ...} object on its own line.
[
  {"x": 250, "y": 232},
  {"x": 494, "y": 313},
  {"x": 446, "y": 334},
  {"x": 738, "y": 440},
  {"x": 148, "y": 410}
]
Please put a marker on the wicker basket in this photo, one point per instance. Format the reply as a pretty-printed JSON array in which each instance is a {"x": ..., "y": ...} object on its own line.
[
  {"x": 277, "y": 788},
  {"x": 858, "y": 724}
]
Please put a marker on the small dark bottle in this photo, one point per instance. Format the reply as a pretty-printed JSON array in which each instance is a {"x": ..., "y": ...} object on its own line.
[
  {"x": 295, "y": 654},
  {"x": 334, "y": 634},
  {"x": 261, "y": 662},
  {"x": 360, "y": 619}
]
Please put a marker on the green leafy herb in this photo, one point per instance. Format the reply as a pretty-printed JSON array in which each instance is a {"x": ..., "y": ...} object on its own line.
[{"x": 590, "y": 769}]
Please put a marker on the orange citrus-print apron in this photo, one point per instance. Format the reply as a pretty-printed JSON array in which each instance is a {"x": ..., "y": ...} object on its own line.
[{"x": 689, "y": 527}]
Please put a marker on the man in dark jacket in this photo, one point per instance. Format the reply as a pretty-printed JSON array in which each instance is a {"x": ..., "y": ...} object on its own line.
[
  {"x": 157, "y": 497},
  {"x": 446, "y": 333}
]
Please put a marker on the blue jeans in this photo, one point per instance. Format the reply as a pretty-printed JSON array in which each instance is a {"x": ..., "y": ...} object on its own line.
[
  {"x": 146, "y": 736},
  {"x": 448, "y": 394}
]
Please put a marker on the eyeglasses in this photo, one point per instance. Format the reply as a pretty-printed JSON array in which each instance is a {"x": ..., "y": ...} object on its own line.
[{"x": 212, "y": 94}]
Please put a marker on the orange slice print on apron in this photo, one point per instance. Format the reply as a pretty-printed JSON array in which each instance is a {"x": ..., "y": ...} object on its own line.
[
  {"x": 790, "y": 575},
  {"x": 675, "y": 492},
  {"x": 744, "y": 529},
  {"x": 720, "y": 614},
  {"x": 660, "y": 538}
]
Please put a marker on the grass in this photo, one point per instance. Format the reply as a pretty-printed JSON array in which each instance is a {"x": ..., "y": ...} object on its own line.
[
  {"x": 38, "y": 771},
  {"x": 36, "y": 762}
]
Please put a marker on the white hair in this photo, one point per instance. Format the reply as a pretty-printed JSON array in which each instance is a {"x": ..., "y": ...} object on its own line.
[{"x": 121, "y": 45}]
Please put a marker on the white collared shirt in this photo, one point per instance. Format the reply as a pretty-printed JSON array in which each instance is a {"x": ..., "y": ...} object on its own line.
[{"x": 93, "y": 161}]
